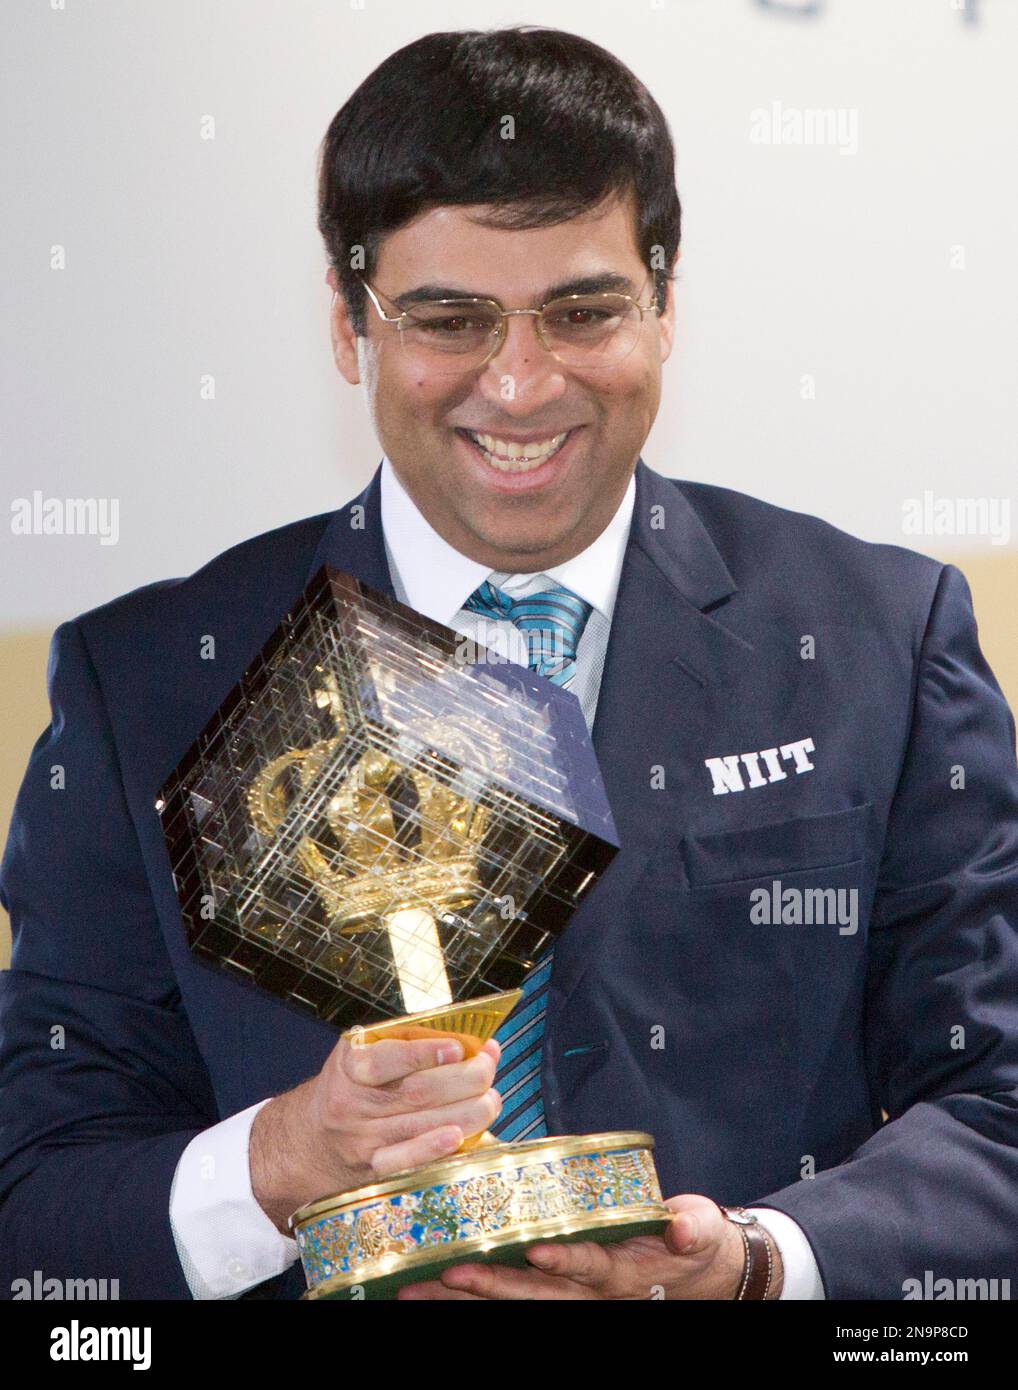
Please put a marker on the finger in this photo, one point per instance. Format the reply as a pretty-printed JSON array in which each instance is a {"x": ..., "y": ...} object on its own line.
[
  {"x": 406, "y": 1143},
  {"x": 697, "y": 1226},
  {"x": 517, "y": 1285},
  {"x": 414, "y": 1153},
  {"x": 472, "y": 1116},
  {"x": 583, "y": 1261},
  {"x": 390, "y": 1059},
  {"x": 436, "y": 1290},
  {"x": 435, "y": 1087}
]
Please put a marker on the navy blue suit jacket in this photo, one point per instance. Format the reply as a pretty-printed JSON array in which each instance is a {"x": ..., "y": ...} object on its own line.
[{"x": 754, "y": 1052}]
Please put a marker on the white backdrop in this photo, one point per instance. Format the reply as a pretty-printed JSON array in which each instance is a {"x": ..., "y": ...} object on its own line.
[{"x": 847, "y": 309}]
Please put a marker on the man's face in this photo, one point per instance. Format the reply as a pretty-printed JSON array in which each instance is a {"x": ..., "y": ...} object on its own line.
[{"x": 510, "y": 520}]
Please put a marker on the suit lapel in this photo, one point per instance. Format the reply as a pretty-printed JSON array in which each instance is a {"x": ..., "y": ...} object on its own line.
[
  {"x": 353, "y": 540},
  {"x": 667, "y": 658}
]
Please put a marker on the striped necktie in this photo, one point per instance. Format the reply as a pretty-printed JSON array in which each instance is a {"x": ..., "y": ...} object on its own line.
[{"x": 552, "y": 621}]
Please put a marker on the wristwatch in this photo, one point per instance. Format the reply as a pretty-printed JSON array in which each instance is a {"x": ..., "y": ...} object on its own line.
[{"x": 759, "y": 1270}]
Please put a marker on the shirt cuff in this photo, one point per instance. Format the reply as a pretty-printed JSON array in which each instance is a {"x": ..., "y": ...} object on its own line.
[
  {"x": 225, "y": 1242},
  {"x": 801, "y": 1272}
]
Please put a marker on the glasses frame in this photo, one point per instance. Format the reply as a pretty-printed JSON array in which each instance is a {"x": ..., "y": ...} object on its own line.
[{"x": 499, "y": 335}]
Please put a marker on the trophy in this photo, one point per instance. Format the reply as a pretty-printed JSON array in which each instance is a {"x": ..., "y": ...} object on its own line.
[{"x": 388, "y": 825}]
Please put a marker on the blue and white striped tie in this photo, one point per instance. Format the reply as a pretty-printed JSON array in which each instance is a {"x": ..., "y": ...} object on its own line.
[{"x": 552, "y": 621}]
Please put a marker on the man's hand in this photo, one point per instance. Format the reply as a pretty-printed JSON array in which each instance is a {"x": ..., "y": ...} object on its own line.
[
  {"x": 374, "y": 1109},
  {"x": 700, "y": 1255}
]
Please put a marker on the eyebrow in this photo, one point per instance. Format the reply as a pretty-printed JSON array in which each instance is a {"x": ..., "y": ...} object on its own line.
[{"x": 601, "y": 283}]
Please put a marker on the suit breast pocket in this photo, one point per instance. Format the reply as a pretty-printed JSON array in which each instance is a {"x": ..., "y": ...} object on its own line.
[
  {"x": 803, "y": 844},
  {"x": 714, "y": 891}
]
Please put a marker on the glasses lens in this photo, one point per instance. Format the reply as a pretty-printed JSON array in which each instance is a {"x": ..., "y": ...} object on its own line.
[
  {"x": 593, "y": 330},
  {"x": 450, "y": 334}
]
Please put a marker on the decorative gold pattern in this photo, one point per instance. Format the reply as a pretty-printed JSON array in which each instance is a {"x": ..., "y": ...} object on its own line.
[{"x": 497, "y": 1197}]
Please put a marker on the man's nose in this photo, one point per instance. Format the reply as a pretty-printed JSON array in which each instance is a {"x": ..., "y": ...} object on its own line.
[{"x": 522, "y": 373}]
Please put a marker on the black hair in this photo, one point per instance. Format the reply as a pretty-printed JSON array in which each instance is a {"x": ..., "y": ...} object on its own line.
[{"x": 425, "y": 130}]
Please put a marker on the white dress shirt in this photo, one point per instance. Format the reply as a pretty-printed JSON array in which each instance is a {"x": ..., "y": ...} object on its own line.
[{"x": 225, "y": 1241}]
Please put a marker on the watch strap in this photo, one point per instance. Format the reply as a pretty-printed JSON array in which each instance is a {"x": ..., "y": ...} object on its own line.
[{"x": 758, "y": 1272}]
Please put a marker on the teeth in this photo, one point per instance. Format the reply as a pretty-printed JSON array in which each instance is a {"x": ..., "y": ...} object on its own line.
[{"x": 508, "y": 457}]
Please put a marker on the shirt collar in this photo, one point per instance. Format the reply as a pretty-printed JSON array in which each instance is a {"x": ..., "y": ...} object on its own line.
[{"x": 437, "y": 579}]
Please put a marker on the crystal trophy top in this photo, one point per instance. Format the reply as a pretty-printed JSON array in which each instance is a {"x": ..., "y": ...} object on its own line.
[{"x": 382, "y": 817}]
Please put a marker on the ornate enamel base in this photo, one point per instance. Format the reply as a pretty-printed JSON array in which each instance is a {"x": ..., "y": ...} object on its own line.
[{"x": 485, "y": 1206}]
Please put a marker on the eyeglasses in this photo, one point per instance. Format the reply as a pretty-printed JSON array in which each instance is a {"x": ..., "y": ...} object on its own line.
[{"x": 460, "y": 335}]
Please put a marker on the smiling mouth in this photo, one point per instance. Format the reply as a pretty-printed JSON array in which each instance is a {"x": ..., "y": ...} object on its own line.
[{"x": 512, "y": 457}]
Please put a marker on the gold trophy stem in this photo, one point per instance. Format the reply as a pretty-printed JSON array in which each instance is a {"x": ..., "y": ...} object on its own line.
[{"x": 417, "y": 956}]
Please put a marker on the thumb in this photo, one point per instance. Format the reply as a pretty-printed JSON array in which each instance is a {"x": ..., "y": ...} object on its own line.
[{"x": 696, "y": 1226}]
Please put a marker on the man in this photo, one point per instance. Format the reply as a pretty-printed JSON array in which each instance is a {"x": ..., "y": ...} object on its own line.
[{"x": 784, "y": 716}]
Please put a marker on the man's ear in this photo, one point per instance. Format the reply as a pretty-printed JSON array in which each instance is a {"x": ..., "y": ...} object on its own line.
[
  {"x": 666, "y": 317},
  {"x": 344, "y": 340}
]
